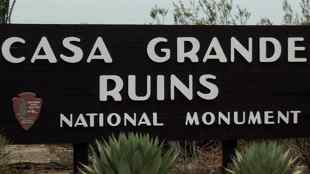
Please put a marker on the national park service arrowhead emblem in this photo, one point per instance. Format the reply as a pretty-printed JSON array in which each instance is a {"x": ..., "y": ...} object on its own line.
[{"x": 27, "y": 108}]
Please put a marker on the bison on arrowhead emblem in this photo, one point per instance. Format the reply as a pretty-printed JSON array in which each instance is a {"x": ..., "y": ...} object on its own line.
[{"x": 27, "y": 108}]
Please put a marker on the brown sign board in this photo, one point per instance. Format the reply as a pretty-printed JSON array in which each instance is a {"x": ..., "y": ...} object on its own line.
[{"x": 72, "y": 83}]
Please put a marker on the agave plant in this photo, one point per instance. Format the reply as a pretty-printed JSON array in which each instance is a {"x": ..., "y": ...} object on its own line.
[
  {"x": 129, "y": 154},
  {"x": 264, "y": 158}
]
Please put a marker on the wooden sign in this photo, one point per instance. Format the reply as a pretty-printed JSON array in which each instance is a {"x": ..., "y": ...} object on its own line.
[{"x": 72, "y": 83}]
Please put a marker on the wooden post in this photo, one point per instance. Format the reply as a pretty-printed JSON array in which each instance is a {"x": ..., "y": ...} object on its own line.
[
  {"x": 80, "y": 155},
  {"x": 229, "y": 147}
]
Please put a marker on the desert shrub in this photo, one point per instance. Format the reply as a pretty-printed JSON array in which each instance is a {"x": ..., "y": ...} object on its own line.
[
  {"x": 264, "y": 157},
  {"x": 301, "y": 147},
  {"x": 188, "y": 150},
  {"x": 130, "y": 154},
  {"x": 197, "y": 158}
]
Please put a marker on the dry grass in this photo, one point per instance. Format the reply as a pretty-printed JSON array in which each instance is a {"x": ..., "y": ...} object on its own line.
[{"x": 206, "y": 160}]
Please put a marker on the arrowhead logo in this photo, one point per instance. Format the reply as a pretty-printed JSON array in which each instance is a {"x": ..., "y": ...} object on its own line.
[{"x": 27, "y": 108}]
